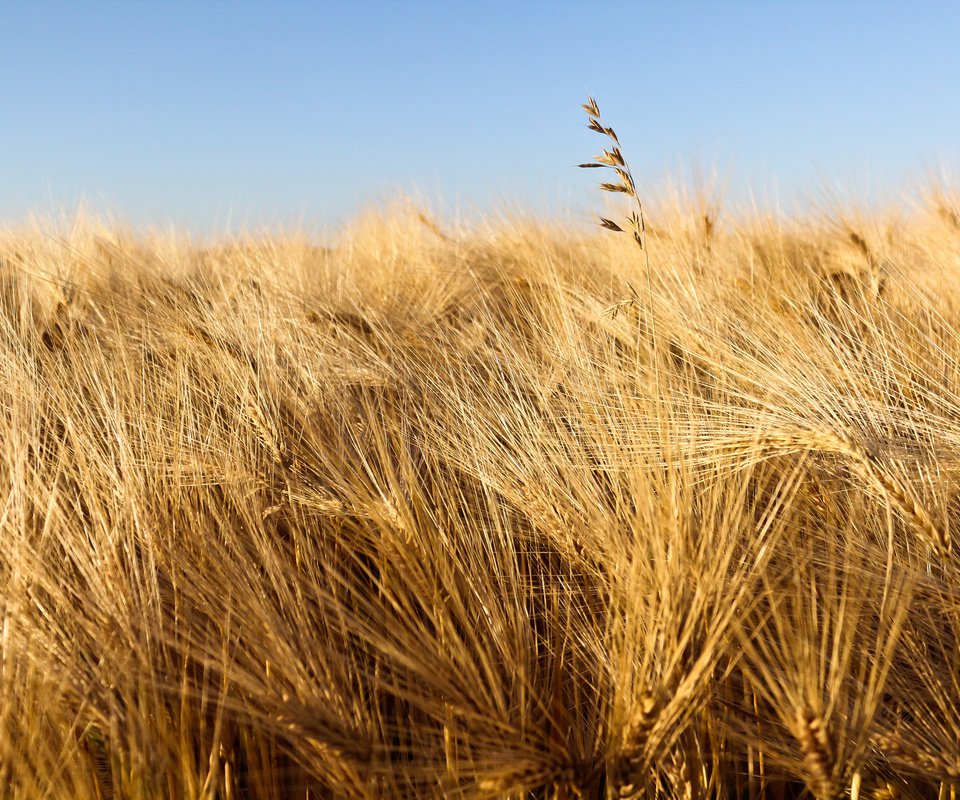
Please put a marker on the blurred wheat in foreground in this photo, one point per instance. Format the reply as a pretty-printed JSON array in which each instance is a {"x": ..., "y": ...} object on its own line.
[{"x": 449, "y": 513}]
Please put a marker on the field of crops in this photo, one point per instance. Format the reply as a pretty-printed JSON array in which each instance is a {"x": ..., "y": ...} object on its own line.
[{"x": 505, "y": 511}]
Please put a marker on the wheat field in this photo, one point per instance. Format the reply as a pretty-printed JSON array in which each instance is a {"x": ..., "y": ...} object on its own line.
[{"x": 506, "y": 511}]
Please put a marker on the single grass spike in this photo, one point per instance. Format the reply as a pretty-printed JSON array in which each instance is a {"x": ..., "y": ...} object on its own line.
[{"x": 614, "y": 160}]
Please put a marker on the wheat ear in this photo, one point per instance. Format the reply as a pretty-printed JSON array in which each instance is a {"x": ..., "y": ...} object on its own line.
[
  {"x": 817, "y": 753},
  {"x": 873, "y": 472}
]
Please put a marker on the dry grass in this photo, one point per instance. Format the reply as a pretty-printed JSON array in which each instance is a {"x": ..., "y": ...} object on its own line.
[{"x": 414, "y": 517}]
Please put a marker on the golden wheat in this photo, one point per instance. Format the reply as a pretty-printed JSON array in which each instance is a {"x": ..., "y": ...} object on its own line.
[{"x": 409, "y": 515}]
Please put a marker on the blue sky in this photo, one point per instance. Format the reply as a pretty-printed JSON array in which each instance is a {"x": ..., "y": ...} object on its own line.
[{"x": 212, "y": 115}]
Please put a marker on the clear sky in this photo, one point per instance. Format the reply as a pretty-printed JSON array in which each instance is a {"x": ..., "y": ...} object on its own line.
[{"x": 208, "y": 114}]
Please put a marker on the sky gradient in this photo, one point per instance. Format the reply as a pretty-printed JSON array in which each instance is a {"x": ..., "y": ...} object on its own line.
[{"x": 227, "y": 115}]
